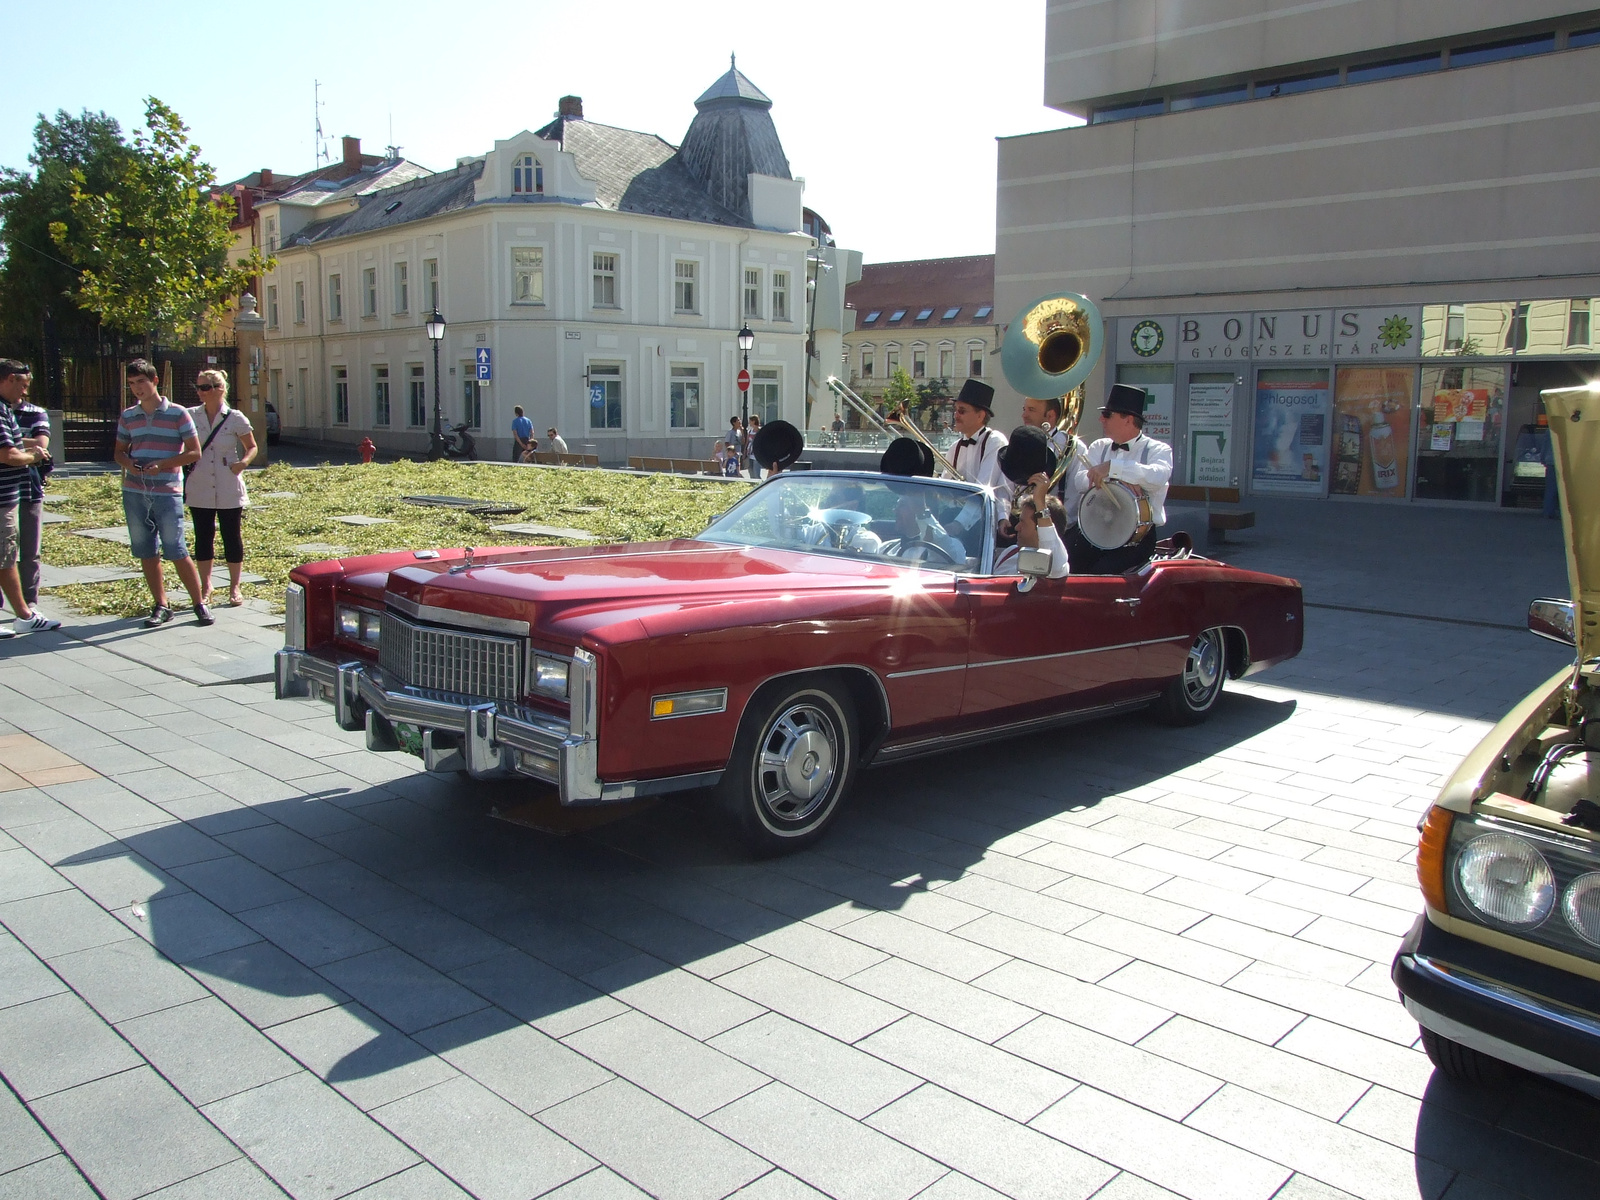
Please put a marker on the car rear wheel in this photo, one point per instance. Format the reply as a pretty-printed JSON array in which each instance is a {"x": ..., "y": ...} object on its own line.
[
  {"x": 1462, "y": 1063},
  {"x": 792, "y": 762},
  {"x": 1190, "y": 697}
]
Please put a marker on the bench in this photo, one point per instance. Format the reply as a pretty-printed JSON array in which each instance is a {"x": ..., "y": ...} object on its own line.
[
  {"x": 578, "y": 460},
  {"x": 1220, "y": 520}
]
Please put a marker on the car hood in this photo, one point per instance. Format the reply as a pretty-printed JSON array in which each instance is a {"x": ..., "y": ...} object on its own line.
[
  {"x": 1575, "y": 435},
  {"x": 682, "y": 571}
]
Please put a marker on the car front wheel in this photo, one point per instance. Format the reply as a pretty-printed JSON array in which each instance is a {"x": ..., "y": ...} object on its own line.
[
  {"x": 1462, "y": 1063},
  {"x": 792, "y": 762},
  {"x": 1190, "y": 697}
]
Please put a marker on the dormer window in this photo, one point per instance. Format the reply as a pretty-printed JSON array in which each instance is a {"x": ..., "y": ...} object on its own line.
[{"x": 527, "y": 176}]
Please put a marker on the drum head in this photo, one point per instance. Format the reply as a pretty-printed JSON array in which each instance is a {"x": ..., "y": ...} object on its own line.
[{"x": 1108, "y": 516}]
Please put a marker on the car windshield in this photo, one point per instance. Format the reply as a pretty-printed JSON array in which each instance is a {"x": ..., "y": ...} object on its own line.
[{"x": 888, "y": 518}]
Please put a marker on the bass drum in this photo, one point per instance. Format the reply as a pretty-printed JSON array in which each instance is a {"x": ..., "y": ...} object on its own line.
[{"x": 1114, "y": 515}]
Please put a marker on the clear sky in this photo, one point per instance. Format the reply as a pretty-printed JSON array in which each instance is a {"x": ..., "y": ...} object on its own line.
[{"x": 889, "y": 109}]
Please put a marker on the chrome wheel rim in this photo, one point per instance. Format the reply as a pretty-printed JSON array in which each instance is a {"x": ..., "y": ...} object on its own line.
[
  {"x": 797, "y": 762},
  {"x": 1202, "y": 670}
]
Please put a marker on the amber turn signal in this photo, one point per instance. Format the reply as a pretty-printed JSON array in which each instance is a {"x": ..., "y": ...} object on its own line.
[{"x": 1431, "y": 855}]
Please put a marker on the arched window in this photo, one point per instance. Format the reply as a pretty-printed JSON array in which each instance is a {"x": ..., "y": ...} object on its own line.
[{"x": 527, "y": 176}]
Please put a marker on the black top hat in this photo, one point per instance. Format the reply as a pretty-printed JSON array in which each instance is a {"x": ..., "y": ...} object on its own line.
[
  {"x": 906, "y": 456},
  {"x": 1026, "y": 454},
  {"x": 778, "y": 444},
  {"x": 977, "y": 394},
  {"x": 1125, "y": 399}
]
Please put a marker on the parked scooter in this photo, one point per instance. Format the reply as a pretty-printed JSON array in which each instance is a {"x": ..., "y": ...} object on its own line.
[{"x": 459, "y": 443}]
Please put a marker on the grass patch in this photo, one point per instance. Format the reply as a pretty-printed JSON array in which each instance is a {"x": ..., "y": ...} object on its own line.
[{"x": 611, "y": 505}]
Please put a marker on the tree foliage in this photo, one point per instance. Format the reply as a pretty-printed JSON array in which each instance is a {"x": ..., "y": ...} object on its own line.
[
  {"x": 37, "y": 284},
  {"x": 152, "y": 247},
  {"x": 901, "y": 392}
]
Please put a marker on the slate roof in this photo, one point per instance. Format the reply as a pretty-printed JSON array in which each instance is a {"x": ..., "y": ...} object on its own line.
[
  {"x": 637, "y": 172},
  {"x": 731, "y": 137},
  {"x": 415, "y": 200},
  {"x": 941, "y": 284},
  {"x": 734, "y": 85},
  {"x": 319, "y": 190}
]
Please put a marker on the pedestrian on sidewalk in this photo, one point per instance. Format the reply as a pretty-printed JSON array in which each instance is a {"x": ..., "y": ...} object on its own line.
[
  {"x": 750, "y": 433},
  {"x": 17, "y": 458},
  {"x": 155, "y": 438},
  {"x": 214, "y": 487},
  {"x": 34, "y": 424},
  {"x": 522, "y": 434},
  {"x": 557, "y": 442}
]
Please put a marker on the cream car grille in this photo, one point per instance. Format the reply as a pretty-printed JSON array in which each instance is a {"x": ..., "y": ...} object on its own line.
[{"x": 448, "y": 660}]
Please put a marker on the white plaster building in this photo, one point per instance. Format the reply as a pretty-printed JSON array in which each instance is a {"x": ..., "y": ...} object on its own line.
[
  {"x": 605, "y": 271},
  {"x": 1374, "y": 214}
]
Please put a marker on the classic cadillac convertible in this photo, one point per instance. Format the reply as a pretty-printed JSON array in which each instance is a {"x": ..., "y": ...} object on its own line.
[{"x": 827, "y": 622}]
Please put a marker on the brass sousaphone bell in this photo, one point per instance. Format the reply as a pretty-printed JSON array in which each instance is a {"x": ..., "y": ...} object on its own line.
[{"x": 1049, "y": 349}]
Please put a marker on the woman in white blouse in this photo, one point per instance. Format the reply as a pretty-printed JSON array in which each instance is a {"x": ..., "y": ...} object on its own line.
[{"x": 215, "y": 491}]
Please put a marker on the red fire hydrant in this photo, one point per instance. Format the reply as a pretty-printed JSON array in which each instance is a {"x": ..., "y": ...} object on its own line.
[{"x": 368, "y": 449}]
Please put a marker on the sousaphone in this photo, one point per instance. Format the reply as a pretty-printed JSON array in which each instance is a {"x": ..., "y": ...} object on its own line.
[{"x": 1049, "y": 350}]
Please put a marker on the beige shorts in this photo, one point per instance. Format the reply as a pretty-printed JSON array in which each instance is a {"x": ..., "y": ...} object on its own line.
[{"x": 8, "y": 536}]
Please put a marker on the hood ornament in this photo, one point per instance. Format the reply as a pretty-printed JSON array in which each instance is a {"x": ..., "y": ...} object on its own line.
[{"x": 466, "y": 563}]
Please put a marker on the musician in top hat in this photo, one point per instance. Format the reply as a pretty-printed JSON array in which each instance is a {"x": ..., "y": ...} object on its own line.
[
  {"x": 1125, "y": 454},
  {"x": 977, "y": 454},
  {"x": 1029, "y": 461},
  {"x": 1045, "y": 414}
]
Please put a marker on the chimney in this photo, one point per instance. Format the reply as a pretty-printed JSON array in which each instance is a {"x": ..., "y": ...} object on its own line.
[
  {"x": 266, "y": 177},
  {"x": 570, "y": 106},
  {"x": 352, "y": 153}
]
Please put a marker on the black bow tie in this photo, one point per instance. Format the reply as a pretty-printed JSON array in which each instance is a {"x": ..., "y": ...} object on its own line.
[
  {"x": 1119, "y": 445},
  {"x": 967, "y": 442}
]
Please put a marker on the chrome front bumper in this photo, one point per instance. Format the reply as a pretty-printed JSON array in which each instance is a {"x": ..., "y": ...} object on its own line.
[{"x": 486, "y": 739}]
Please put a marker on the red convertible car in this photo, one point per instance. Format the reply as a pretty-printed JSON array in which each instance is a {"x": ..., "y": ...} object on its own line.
[{"x": 827, "y": 622}]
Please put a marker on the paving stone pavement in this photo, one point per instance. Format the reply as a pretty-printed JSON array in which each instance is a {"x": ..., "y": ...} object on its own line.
[{"x": 241, "y": 956}]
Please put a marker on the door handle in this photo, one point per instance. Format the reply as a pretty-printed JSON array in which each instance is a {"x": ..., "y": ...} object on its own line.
[{"x": 1132, "y": 602}]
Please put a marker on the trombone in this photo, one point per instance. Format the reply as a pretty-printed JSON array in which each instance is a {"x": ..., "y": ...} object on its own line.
[{"x": 896, "y": 426}]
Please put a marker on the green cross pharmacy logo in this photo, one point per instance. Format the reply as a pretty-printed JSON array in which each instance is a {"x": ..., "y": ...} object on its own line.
[{"x": 1394, "y": 332}]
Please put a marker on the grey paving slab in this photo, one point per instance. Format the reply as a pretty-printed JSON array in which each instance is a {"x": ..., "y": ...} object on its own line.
[
  {"x": 311, "y": 1140},
  {"x": 653, "y": 1145},
  {"x": 264, "y": 984},
  {"x": 22, "y": 875},
  {"x": 92, "y": 1122},
  {"x": 513, "y": 1059},
  {"x": 421, "y": 1182},
  {"x": 1092, "y": 1006},
  {"x": 276, "y": 847},
  {"x": 52, "y": 1179},
  {"x": 21, "y": 1140},
  {"x": 676, "y": 997},
  {"x": 366, "y": 1059},
  {"x": 240, "y": 1179},
  {"x": 60, "y": 923},
  {"x": 22, "y": 976},
  {"x": 485, "y": 1144},
  {"x": 1011, "y": 1158},
  {"x": 1008, "y": 1083},
  {"x": 233, "y": 883},
  {"x": 206, "y": 1050},
  {"x": 971, "y": 1010},
  {"x": 349, "y": 888},
  {"x": 58, "y": 1042},
  {"x": 186, "y": 927},
  {"x": 603, "y": 1184},
  {"x": 126, "y": 979},
  {"x": 546, "y": 998},
  {"x": 831, "y": 1008},
  {"x": 438, "y": 938},
  {"x": 672, "y": 1066},
  {"x": 118, "y": 880},
  {"x": 838, "y": 1156},
  {"x": 841, "y": 1076},
  {"x": 311, "y": 931},
  {"x": 403, "y": 990}
]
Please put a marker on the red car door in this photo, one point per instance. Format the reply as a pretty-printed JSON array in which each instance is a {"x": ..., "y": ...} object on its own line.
[{"x": 1064, "y": 644}]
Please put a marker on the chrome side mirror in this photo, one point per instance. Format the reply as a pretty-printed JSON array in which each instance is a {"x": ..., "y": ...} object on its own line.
[
  {"x": 1032, "y": 565},
  {"x": 1554, "y": 620}
]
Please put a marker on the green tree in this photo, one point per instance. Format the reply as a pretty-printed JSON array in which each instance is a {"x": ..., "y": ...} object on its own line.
[
  {"x": 36, "y": 281},
  {"x": 901, "y": 392},
  {"x": 152, "y": 249}
]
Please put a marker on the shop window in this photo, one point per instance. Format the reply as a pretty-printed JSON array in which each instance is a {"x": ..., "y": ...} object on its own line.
[
  {"x": 605, "y": 396},
  {"x": 1459, "y": 431},
  {"x": 1290, "y": 451},
  {"x": 1578, "y": 323},
  {"x": 1372, "y": 431}
]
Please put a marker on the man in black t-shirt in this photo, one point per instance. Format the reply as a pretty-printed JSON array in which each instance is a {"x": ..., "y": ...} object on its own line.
[{"x": 17, "y": 456}]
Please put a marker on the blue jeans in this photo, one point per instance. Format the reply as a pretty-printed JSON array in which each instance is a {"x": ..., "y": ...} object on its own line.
[{"x": 152, "y": 517}]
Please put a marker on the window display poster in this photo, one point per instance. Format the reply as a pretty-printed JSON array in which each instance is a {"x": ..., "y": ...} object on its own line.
[
  {"x": 1210, "y": 427},
  {"x": 1291, "y": 436},
  {"x": 1372, "y": 431},
  {"x": 1158, "y": 411}
]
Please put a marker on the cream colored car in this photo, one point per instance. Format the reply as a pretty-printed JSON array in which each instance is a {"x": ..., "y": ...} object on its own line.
[{"x": 1504, "y": 964}]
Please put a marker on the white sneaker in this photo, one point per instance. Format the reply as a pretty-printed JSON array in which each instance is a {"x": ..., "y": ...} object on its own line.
[
  {"x": 7, "y": 632},
  {"x": 38, "y": 623}
]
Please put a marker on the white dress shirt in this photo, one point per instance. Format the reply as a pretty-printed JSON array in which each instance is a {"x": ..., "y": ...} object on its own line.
[
  {"x": 1076, "y": 481},
  {"x": 980, "y": 462},
  {"x": 1049, "y": 539},
  {"x": 1146, "y": 463}
]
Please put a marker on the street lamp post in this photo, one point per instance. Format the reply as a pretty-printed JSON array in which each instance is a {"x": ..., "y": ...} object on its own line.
[
  {"x": 435, "y": 327},
  {"x": 746, "y": 341}
]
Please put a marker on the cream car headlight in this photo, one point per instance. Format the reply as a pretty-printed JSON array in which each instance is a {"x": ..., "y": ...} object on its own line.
[
  {"x": 1582, "y": 907},
  {"x": 1506, "y": 879},
  {"x": 548, "y": 676},
  {"x": 359, "y": 624}
]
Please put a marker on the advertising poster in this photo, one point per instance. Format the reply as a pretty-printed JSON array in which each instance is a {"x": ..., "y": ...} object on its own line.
[
  {"x": 1158, "y": 411},
  {"x": 1291, "y": 436},
  {"x": 1372, "y": 431},
  {"x": 1210, "y": 430}
]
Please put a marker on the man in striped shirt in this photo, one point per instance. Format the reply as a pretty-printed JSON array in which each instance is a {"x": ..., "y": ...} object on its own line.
[
  {"x": 17, "y": 455},
  {"x": 155, "y": 440}
]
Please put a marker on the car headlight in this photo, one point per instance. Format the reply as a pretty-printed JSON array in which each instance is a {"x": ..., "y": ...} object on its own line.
[
  {"x": 1506, "y": 879},
  {"x": 1582, "y": 906},
  {"x": 548, "y": 676},
  {"x": 359, "y": 624}
]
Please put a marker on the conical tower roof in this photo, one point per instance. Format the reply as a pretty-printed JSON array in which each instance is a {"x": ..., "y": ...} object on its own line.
[{"x": 732, "y": 137}]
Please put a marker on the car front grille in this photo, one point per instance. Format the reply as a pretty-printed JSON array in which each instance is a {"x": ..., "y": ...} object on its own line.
[{"x": 450, "y": 660}]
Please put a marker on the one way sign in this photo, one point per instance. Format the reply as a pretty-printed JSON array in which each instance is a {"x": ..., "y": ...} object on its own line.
[{"x": 485, "y": 365}]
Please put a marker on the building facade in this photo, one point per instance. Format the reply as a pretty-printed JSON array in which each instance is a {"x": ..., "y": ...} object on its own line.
[
  {"x": 1341, "y": 245},
  {"x": 933, "y": 317},
  {"x": 596, "y": 276}
]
